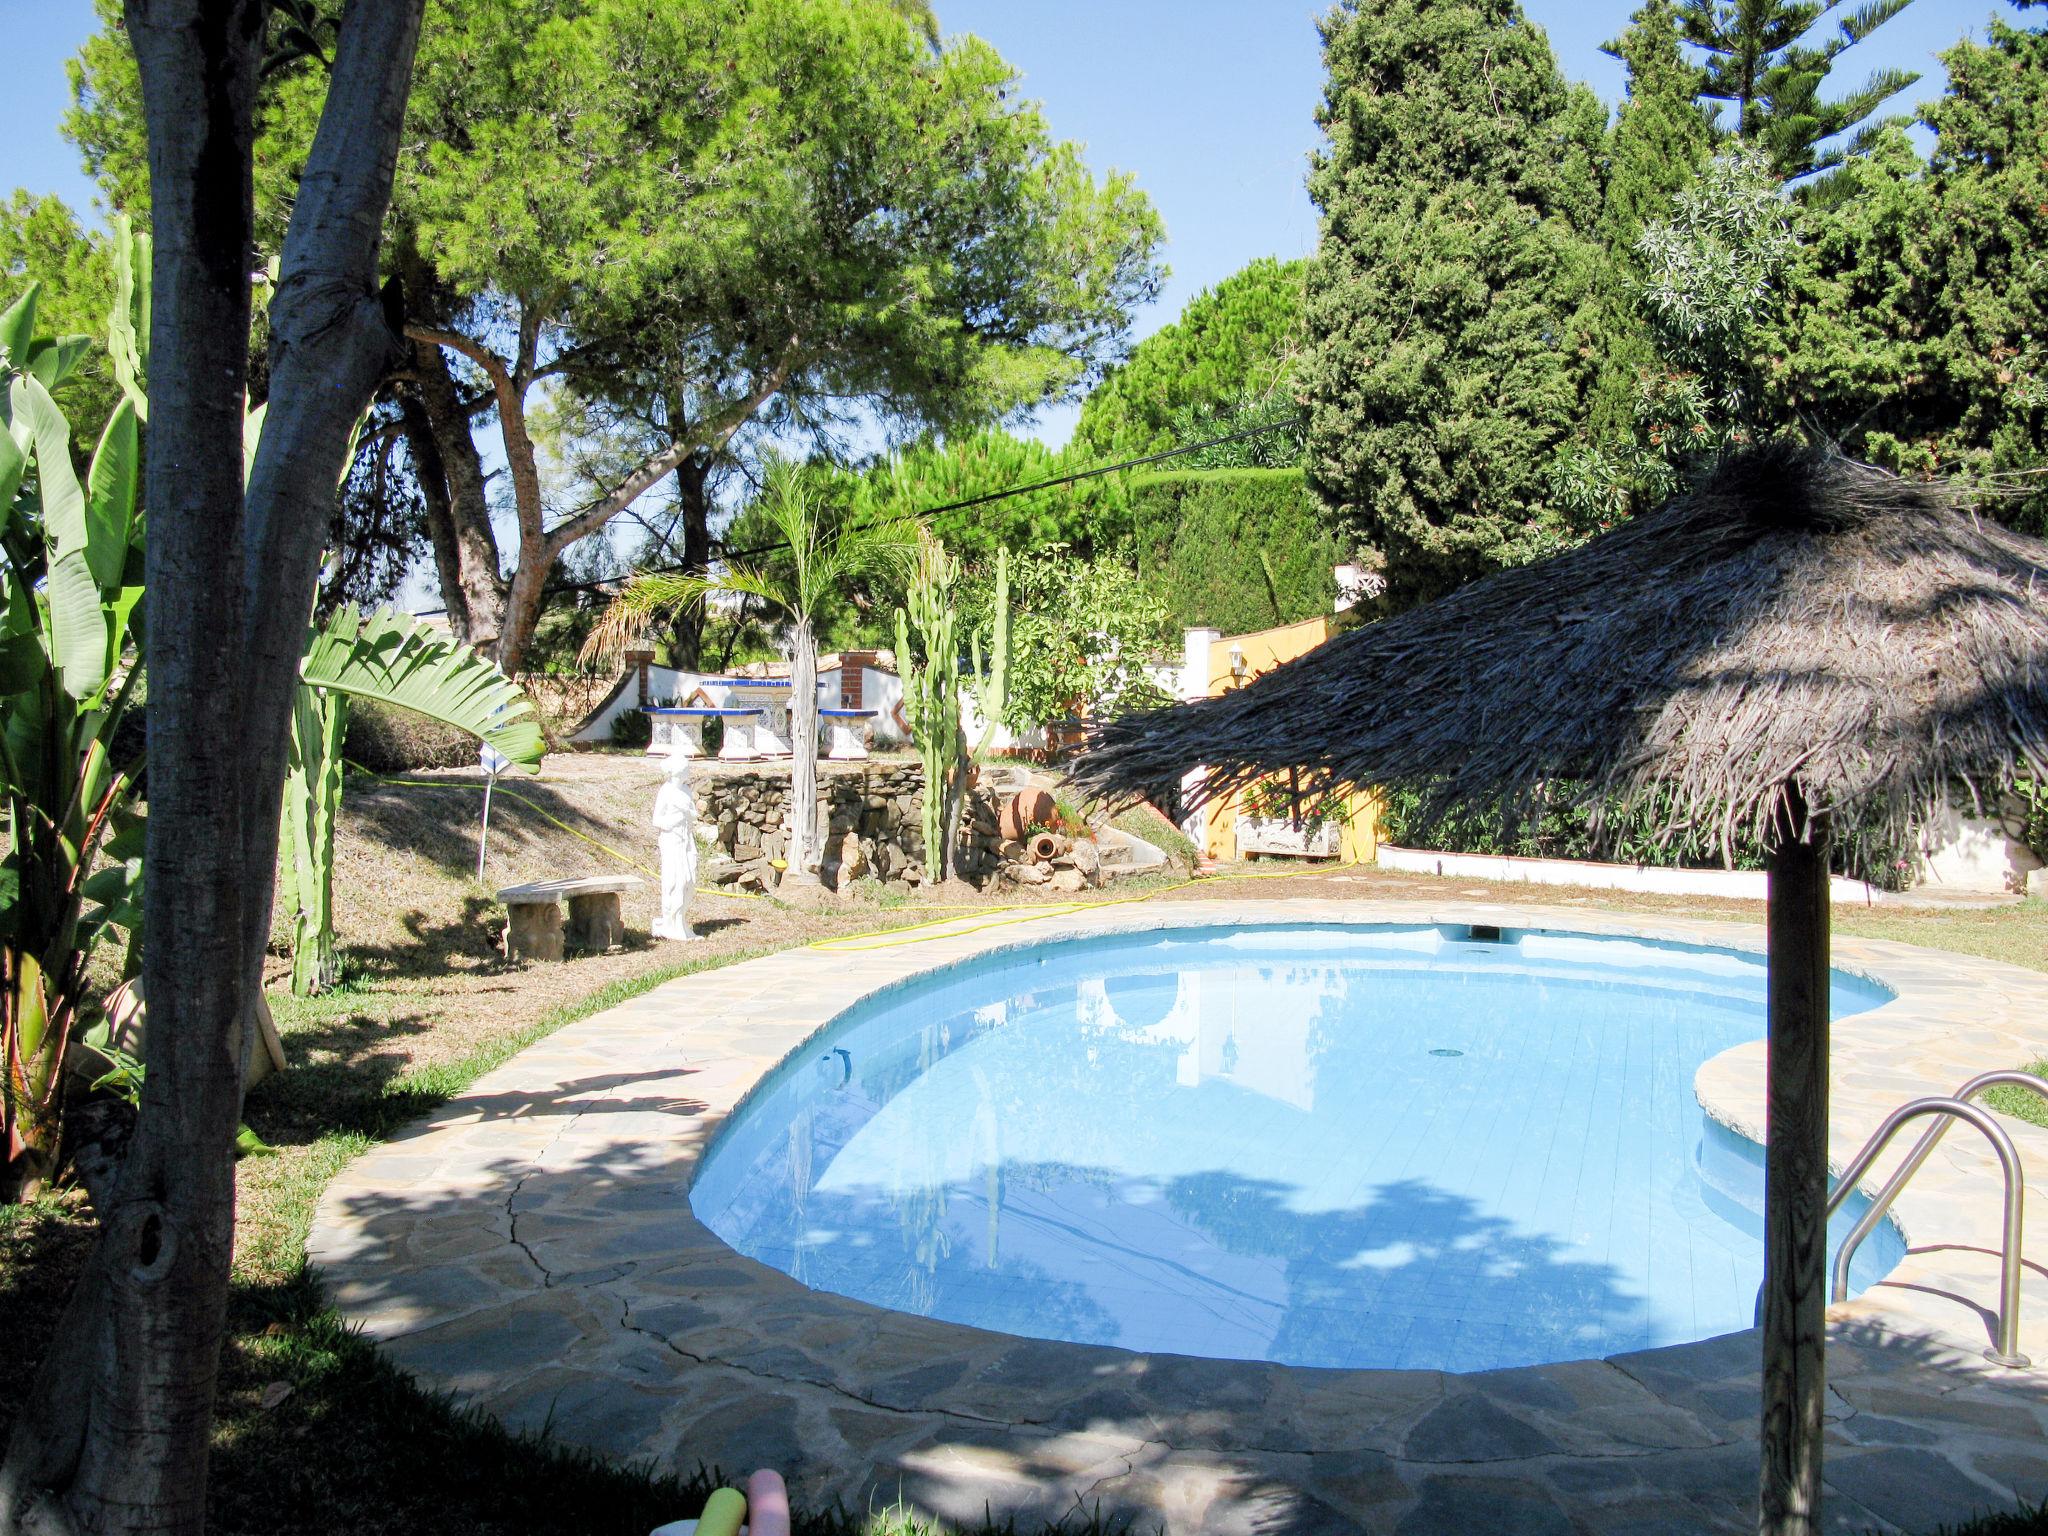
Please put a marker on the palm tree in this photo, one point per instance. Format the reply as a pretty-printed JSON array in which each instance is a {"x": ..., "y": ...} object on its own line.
[{"x": 814, "y": 558}]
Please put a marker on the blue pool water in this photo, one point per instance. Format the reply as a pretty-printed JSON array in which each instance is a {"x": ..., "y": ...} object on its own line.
[{"x": 1390, "y": 1147}]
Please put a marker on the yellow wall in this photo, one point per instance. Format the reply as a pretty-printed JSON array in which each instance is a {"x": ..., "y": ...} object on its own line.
[{"x": 1263, "y": 651}]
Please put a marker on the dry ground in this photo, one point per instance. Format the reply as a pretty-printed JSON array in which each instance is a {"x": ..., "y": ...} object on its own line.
[{"x": 315, "y": 1433}]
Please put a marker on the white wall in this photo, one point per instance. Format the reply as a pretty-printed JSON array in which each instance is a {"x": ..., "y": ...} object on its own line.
[
  {"x": 1735, "y": 884},
  {"x": 880, "y": 691},
  {"x": 663, "y": 684},
  {"x": 1969, "y": 853}
]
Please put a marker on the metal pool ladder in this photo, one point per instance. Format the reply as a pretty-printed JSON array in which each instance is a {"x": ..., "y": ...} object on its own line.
[{"x": 1944, "y": 1113}]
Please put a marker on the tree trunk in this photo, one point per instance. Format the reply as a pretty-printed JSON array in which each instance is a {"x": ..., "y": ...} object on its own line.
[
  {"x": 114, "y": 1436},
  {"x": 693, "y": 509},
  {"x": 803, "y": 746},
  {"x": 479, "y": 586},
  {"x": 1795, "y": 1177},
  {"x": 519, "y": 615},
  {"x": 432, "y": 475}
]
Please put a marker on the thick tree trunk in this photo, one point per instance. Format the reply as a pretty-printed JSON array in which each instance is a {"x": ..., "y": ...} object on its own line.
[
  {"x": 115, "y": 1434},
  {"x": 519, "y": 616},
  {"x": 1796, "y": 1178},
  {"x": 478, "y": 586},
  {"x": 803, "y": 745}
]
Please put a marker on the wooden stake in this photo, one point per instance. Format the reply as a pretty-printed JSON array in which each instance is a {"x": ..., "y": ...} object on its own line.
[{"x": 1796, "y": 1176}]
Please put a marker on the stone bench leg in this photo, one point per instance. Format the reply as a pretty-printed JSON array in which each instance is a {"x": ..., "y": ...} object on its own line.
[
  {"x": 535, "y": 930},
  {"x": 594, "y": 922}
]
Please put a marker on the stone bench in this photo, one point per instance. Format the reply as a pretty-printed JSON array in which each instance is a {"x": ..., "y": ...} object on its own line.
[{"x": 536, "y": 931}]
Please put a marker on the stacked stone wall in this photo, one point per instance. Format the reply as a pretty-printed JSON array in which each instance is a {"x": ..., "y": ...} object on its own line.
[{"x": 870, "y": 824}]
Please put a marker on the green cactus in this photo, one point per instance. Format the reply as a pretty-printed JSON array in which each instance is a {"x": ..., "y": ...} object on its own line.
[
  {"x": 931, "y": 693},
  {"x": 992, "y": 689},
  {"x": 932, "y": 690}
]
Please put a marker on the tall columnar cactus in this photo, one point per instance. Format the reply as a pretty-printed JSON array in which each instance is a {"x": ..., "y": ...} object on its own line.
[
  {"x": 992, "y": 688},
  {"x": 928, "y": 659},
  {"x": 932, "y": 690}
]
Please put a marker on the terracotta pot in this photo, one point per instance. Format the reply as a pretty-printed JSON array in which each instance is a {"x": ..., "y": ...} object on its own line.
[{"x": 1029, "y": 807}]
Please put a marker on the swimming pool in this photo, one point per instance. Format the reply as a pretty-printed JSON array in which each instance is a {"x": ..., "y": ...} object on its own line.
[{"x": 1394, "y": 1146}]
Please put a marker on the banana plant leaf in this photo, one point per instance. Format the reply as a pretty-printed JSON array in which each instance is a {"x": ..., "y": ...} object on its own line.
[{"x": 396, "y": 660}]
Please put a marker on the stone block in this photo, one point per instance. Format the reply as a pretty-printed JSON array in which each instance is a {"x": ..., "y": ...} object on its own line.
[
  {"x": 595, "y": 923},
  {"x": 534, "y": 931}
]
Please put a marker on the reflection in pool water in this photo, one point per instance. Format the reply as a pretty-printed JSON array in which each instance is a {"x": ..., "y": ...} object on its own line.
[{"x": 1322, "y": 1146}]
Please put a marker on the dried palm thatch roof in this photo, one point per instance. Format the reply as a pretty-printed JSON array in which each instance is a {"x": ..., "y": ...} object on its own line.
[{"x": 1799, "y": 616}]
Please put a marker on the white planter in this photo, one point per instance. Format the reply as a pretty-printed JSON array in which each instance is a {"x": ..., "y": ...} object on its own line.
[{"x": 1258, "y": 836}]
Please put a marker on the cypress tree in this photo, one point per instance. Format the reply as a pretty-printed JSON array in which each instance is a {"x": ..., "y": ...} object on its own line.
[
  {"x": 1662, "y": 135},
  {"x": 1918, "y": 307},
  {"x": 1768, "y": 60},
  {"x": 1451, "y": 305}
]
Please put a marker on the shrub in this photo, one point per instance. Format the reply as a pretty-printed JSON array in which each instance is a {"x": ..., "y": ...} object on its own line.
[
  {"x": 1558, "y": 826},
  {"x": 1235, "y": 549},
  {"x": 387, "y": 740},
  {"x": 2033, "y": 793},
  {"x": 633, "y": 728}
]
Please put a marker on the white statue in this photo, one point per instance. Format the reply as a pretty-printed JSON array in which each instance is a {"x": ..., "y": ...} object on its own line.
[{"x": 675, "y": 818}]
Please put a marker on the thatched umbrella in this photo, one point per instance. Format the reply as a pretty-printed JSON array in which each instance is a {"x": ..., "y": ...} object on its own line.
[{"x": 1800, "y": 641}]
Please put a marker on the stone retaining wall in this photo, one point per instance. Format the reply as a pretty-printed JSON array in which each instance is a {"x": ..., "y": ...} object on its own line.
[{"x": 870, "y": 824}]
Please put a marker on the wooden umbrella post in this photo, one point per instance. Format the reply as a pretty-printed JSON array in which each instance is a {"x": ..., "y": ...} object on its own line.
[{"x": 1795, "y": 1175}]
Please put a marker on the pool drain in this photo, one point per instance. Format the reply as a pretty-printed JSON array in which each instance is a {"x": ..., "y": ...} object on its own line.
[{"x": 1445, "y": 1050}]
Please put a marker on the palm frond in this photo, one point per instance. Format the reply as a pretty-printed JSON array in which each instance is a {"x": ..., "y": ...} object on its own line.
[{"x": 625, "y": 623}]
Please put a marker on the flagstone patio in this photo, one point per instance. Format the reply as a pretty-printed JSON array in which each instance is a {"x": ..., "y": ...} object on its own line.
[{"x": 530, "y": 1248}]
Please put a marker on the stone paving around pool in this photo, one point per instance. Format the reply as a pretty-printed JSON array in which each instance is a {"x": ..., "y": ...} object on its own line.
[{"x": 531, "y": 1249}]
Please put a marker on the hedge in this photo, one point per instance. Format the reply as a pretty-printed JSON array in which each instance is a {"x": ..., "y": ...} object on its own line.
[
  {"x": 1234, "y": 549},
  {"x": 1559, "y": 826}
]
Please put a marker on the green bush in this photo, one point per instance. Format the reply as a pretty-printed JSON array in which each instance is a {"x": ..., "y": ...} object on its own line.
[
  {"x": 387, "y": 740},
  {"x": 633, "y": 728},
  {"x": 1235, "y": 549},
  {"x": 2033, "y": 793},
  {"x": 1559, "y": 827}
]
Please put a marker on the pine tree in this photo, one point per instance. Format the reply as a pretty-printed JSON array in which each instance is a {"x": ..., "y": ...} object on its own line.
[
  {"x": 1451, "y": 305},
  {"x": 1662, "y": 135},
  {"x": 1234, "y": 343},
  {"x": 1768, "y": 60}
]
